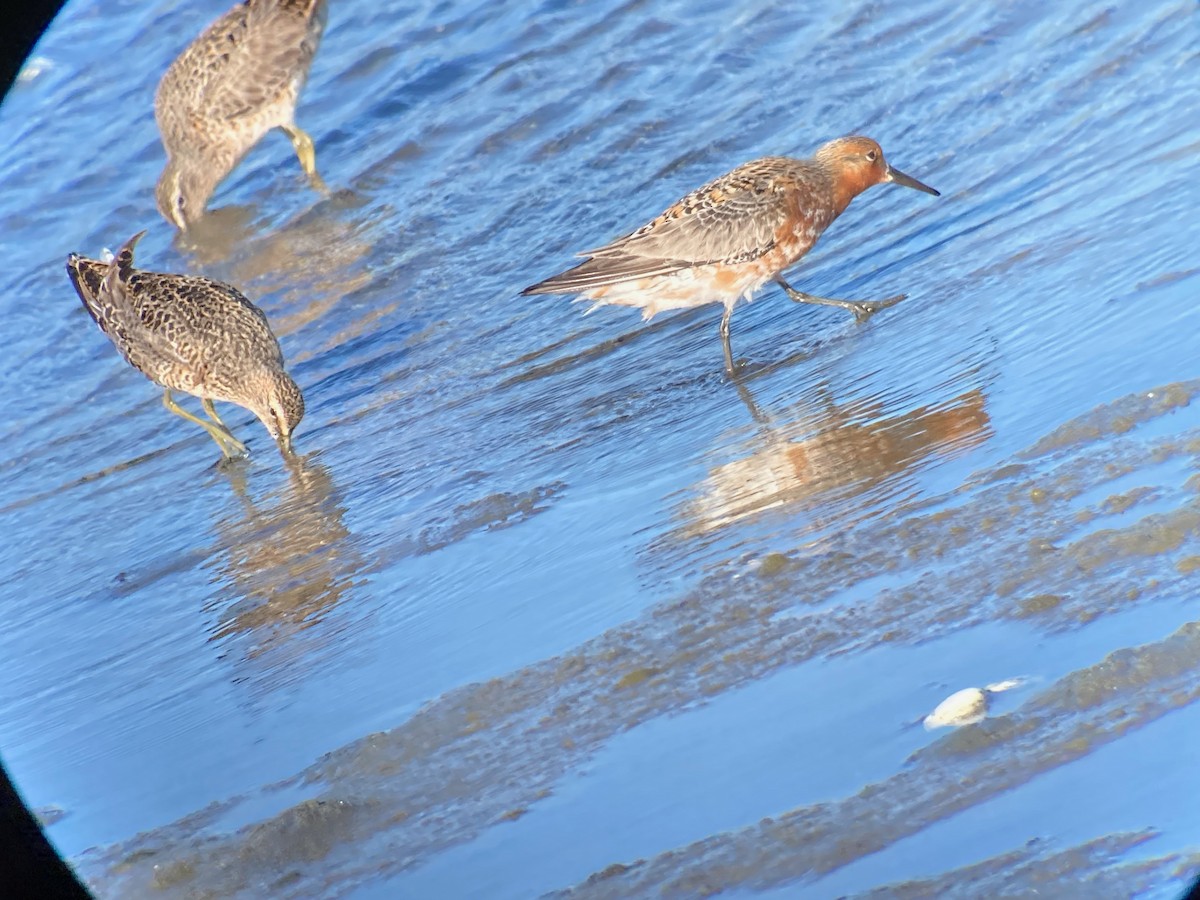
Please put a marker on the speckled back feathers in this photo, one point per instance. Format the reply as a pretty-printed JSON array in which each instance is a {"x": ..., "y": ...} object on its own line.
[
  {"x": 178, "y": 330},
  {"x": 732, "y": 220},
  {"x": 254, "y": 56}
]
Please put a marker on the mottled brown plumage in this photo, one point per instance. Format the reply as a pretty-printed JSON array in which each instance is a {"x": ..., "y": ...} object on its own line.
[
  {"x": 193, "y": 334},
  {"x": 233, "y": 84},
  {"x": 725, "y": 240}
]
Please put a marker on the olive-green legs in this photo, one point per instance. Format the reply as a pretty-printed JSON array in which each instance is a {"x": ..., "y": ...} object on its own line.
[
  {"x": 861, "y": 308},
  {"x": 217, "y": 430},
  {"x": 211, "y": 412},
  {"x": 307, "y": 154}
]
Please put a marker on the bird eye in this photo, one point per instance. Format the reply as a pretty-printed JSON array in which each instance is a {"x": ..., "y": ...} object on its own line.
[{"x": 872, "y": 155}]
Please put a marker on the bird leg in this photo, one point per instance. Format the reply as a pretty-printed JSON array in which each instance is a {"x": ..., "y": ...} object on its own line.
[
  {"x": 307, "y": 154},
  {"x": 212, "y": 413},
  {"x": 861, "y": 308},
  {"x": 230, "y": 446},
  {"x": 729, "y": 367},
  {"x": 747, "y": 398},
  {"x": 238, "y": 447}
]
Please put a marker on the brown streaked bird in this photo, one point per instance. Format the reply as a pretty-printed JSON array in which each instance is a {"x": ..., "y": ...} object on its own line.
[
  {"x": 233, "y": 84},
  {"x": 725, "y": 240},
  {"x": 190, "y": 333}
]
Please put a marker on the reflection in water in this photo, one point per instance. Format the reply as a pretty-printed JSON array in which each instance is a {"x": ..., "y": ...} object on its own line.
[
  {"x": 288, "y": 556},
  {"x": 306, "y": 266},
  {"x": 833, "y": 450},
  {"x": 216, "y": 235},
  {"x": 225, "y": 231}
]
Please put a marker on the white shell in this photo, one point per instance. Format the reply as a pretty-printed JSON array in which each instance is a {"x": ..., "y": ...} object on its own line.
[
  {"x": 965, "y": 707},
  {"x": 968, "y": 706},
  {"x": 34, "y": 66}
]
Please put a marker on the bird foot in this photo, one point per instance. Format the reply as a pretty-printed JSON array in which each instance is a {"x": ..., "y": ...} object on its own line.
[
  {"x": 230, "y": 459},
  {"x": 864, "y": 309},
  {"x": 317, "y": 183}
]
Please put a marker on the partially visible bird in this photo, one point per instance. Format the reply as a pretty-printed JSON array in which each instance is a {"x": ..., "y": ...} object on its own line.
[
  {"x": 190, "y": 333},
  {"x": 233, "y": 84},
  {"x": 725, "y": 240}
]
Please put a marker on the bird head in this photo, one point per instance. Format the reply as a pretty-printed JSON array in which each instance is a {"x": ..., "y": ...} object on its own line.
[
  {"x": 280, "y": 407},
  {"x": 856, "y": 163},
  {"x": 182, "y": 192}
]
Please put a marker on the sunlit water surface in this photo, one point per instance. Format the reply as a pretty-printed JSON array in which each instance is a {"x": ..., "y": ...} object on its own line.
[{"x": 551, "y": 603}]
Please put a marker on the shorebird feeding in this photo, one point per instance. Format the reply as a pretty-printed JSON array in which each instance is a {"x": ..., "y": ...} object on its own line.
[
  {"x": 192, "y": 334},
  {"x": 725, "y": 240},
  {"x": 232, "y": 85}
]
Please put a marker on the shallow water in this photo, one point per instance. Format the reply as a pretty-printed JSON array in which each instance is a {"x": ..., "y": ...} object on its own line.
[{"x": 551, "y": 604}]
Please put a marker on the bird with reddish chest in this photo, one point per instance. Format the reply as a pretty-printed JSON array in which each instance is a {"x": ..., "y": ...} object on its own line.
[{"x": 725, "y": 240}]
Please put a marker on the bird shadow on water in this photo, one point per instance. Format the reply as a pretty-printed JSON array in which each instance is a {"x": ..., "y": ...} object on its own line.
[
  {"x": 685, "y": 324},
  {"x": 588, "y": 354},
  {"x": 283, "y": 560}
]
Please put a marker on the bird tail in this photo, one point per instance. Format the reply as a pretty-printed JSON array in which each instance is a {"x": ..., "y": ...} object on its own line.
[
  {"x": 87, "y": 275},
  {"x": 101, "y": 286}
]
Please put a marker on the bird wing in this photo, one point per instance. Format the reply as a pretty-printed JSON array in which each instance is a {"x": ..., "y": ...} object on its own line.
[
  {"x": 241, "y": 314},
  {"x": 139, "y": 327},
  {"x": 258, "y": 51},
  {"x": 732, "y": 219}
]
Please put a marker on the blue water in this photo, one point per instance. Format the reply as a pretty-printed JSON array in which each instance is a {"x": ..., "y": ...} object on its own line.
[{"x": 491, "y": 482}]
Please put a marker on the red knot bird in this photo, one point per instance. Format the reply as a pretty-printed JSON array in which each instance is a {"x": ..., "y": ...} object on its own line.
[
  {"x": 190, "y": 333},
  {"x": 725, "y": 240},
  {"x": 232, "y": 85}
]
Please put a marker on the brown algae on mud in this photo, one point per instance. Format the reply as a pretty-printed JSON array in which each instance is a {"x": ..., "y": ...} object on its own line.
[
  {"x": 1093, "y": 869},
  {"x": 1188, "y": 565},
  {"x": 1127, "y": 690},
  {"x": 636, "y": 676},
  {"x": 470, "y": 757},
  {"x": 1117, "y": 418}
]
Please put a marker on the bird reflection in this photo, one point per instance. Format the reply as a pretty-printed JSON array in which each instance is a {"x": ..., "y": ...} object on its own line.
[
  {"x": 287, "y": 556},
  {"x": 226, "y": 232},
  {"x": 299, "y": 272},
  {"x": 829, "y": 452},
  {"x": 219, "y": 234}
]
